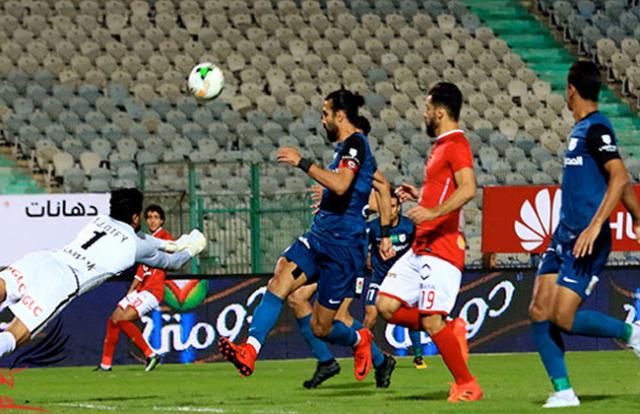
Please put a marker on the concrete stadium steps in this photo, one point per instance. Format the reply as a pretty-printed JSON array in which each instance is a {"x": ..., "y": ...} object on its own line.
[{"x": 550, "y": 59}]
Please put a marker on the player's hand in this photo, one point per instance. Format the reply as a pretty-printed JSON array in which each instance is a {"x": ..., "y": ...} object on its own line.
[
  {"x": 586, "y": 240},
  {"x": 316, "y": 191},
  {"x": 195, "y": 242},
  {"x": 407, "y": 192},
  {"x": 418, "y": 214},
  {"x": 386, "y": 248},
  {"x": 636, "y": 230},
  {"x": 288, "y": 155}
]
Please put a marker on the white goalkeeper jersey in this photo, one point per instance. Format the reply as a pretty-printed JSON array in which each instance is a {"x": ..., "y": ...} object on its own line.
[{"x": 107, "y": 247}]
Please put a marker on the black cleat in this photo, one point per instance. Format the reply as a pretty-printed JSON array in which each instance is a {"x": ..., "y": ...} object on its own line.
[
  {"x": 100, "y": 368},
  {"x": 384, "y": 371},
  {"x": 324, "y": 371},
  {"x": 152, "y": 362}
]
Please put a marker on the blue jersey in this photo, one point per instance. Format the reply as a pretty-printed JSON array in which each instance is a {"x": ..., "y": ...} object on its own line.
[
  {"x": 341, "y": 220},
  {"x": 591, "y": 144},
  {"x": 402, "y": 237}
]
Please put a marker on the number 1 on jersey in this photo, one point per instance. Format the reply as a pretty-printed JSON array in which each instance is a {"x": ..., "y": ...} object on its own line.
[{"x": 96, "y": 236}]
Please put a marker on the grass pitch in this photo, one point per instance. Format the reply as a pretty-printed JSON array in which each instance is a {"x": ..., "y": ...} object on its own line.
[{"x": 607, "y": 382}]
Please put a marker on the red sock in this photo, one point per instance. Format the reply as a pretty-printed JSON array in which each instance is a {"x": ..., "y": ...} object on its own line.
[
  {"x": 408, "y": 317},
  {"x": 135, "y": 335},
  {"x": 449, "y": 348},
  {"x": 110, "y": 342}
]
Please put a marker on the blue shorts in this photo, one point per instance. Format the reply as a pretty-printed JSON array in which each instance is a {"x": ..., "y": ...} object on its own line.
[
  {"x": 374, "y": 286},
  {"x": 334, "y": 268},
  {"x": 579, "y": 275}
]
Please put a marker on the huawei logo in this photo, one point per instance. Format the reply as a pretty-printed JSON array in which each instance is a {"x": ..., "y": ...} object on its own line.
[{"x": 538, "y": 222}]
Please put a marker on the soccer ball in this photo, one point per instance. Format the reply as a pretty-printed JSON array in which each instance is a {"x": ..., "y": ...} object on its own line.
[{"x": 206, "y": 81}]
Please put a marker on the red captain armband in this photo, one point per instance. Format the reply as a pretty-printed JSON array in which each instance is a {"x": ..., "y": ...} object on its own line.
[{"x": 349, "y": 163}]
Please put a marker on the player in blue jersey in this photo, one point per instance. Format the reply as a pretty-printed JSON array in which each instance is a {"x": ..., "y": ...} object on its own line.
[
  {"x": 333, "y": 251},
  {"x": 402, "y": 233},
  {"x": 594, "y": 181},
  {"x": 300, "y": 303}
]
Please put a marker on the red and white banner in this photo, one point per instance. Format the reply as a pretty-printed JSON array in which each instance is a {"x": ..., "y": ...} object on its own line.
[
  {"x": 521, "y": 219},
  {"x": 44, "y": 221}
]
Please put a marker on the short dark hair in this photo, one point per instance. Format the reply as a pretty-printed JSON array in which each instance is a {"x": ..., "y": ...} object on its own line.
[
  {"x": 448, "y": 96},
  {"x": 125, "y": 203},
  {"x": 347, "y": 101},
  {"x": 155, "y": 208},
  {"x": 585, "y": 77}
]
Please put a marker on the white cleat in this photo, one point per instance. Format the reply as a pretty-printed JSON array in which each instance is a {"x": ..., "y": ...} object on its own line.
[
  {"x": 634, "y": 341},
  {"x": 561, "y": 399}
]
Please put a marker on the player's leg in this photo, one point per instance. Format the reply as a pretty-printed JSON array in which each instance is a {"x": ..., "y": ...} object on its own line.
[
  {"x": 110, "y": 340},
  {"x": 290, "y": 273},
  {"x": 440, "y": 284},
  {"x": 327, "y": 366},
  {"x": 548, "y": 338},
  {"x": 141, "y": 304},
  {"x": 416, "y": 345},
  {"x": 15, "y": 335},
  {"x": 398, "y": 293}
]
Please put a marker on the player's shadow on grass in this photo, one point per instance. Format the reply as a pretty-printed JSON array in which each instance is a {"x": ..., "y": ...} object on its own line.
[
  {"x": 115, "y": 398},
  {"x": 343, "y": 386},
  {"x": 428, "y": 396},
  {"x": 589, "y": 398}
]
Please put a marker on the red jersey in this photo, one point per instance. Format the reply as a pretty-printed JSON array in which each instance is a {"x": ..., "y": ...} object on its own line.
[
  {"x": 443, "y": 236},
  {"x": 152, "y": 279}
]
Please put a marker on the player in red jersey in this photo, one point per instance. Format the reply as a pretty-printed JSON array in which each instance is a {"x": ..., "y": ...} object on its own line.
[
  {"x": 145, "y": 294},
  {"x": 420, "y": 289}
]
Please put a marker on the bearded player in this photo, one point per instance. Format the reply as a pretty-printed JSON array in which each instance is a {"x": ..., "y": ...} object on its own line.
[
  {"x": 420, "y": 289},
  {"x": 334, "y": 250}
]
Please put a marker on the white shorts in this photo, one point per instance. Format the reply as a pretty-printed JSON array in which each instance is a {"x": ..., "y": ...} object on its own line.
[
  {"x": 142, "y": 302},
  {"x": 38, "y": 288},
  {"x": 426, "y": 281}
]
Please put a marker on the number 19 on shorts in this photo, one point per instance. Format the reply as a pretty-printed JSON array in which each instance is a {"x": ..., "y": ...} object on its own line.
[{"x": 427, "y": 299}]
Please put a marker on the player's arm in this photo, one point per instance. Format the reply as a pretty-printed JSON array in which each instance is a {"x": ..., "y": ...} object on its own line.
[
  {"x": 605, "y": 153},
  {"x": 630, "y": 202},
  {"x": 187, "y": 246},
  {"x": 339, "y": 181},
  {"x": 466, "y": 189},
  {"x": 382, "y": 191},
  {"x": 137, "y": 279}
]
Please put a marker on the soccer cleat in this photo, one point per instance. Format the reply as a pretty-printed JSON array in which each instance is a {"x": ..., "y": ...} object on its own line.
[
  {"x": 243, "y": 356},
  {"x": 362, "y": 355},
  {"x": 634, "y": 341},
  {"x": 323, "y": 372},
  {"x": 419, "y": 363},
  {"x": 100, "y": 368},
  {"x": 460, "y": 331},
  {"x": 384, "y": 371},
  {"x": 566, "y": 398},
  {"x": 152, "y": 362},
  {"x": 469, "y": 391}
]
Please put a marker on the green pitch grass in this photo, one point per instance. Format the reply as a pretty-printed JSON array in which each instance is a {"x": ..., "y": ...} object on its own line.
[{"x": 607, "y": 382}]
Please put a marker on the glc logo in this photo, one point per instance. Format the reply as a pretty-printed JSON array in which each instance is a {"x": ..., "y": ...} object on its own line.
[{"x": 537, "y": 223}]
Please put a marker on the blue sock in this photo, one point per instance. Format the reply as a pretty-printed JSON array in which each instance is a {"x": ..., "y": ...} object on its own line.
[
  {"x": 415, "y": 342},
  {"x": 265, "y": 317},
  {"x": 341, "y": 334},
  {"x": 551, "y": 349},
  {"x": 319, "y": 348},
  {"x": 377, "y": 357},
  {"x": 593, "y": 323}
]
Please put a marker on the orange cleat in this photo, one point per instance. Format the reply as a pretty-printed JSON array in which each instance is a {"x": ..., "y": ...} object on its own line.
[
  {"x": 466, "y": 392},
  {"x": 362, "y": 355},
  {"x": 242, "y": 356},
  {"x": 460, "y": 331}
]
